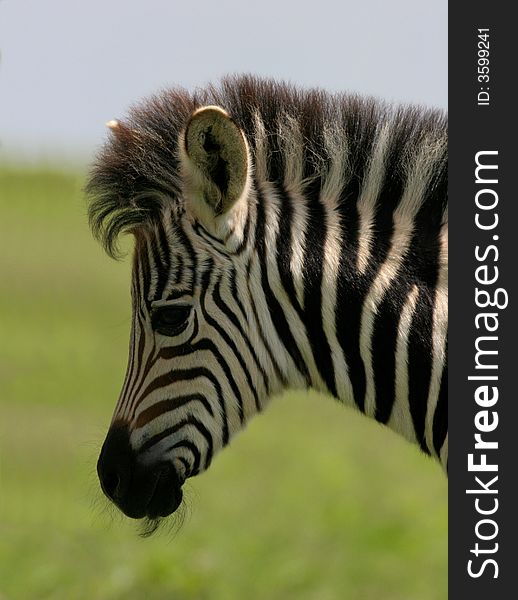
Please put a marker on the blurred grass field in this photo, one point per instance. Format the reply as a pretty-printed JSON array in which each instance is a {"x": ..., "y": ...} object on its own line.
[{"x": 313, "y": 501}]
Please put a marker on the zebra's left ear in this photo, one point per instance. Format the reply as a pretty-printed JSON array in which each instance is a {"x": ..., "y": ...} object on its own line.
[{"x": 214, "y": 160}]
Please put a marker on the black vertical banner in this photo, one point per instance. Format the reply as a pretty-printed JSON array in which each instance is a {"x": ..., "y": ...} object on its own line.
[{"x": 483, "y": 369}]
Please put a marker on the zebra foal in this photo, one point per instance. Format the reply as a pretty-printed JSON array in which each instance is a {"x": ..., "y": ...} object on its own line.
[{"x": 283, "y": 239}]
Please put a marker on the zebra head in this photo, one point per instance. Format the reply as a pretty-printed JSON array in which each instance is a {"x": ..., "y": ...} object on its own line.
[
  {"x": 283, "y": 238},
  {"x": 197, "y": 368}
]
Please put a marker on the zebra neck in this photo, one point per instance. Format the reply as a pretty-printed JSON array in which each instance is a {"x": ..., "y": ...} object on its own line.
[{"x": 350, "y": 271}]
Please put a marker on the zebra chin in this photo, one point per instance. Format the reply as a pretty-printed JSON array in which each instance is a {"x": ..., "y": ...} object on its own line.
[{"x": 140, "y": 489}]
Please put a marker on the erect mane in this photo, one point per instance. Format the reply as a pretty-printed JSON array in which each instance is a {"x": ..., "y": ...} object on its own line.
[{"x": 138, "y": 167}]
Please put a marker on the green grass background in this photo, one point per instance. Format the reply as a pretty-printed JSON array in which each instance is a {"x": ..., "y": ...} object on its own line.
[{"x": 313, "y": 501}]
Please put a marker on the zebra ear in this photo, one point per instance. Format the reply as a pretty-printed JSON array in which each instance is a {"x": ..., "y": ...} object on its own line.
[{"x": 216, "y": 158}]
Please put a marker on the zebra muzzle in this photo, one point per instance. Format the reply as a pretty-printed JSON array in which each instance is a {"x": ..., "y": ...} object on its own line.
[{"x": 139, "y": 489}]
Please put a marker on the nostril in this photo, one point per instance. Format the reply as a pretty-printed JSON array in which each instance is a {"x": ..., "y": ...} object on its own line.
[
  {"x": 116, "y": 464},
  {"x": 111, "y": 484}
]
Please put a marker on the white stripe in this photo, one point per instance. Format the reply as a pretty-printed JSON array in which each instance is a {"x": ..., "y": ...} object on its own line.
[
  {"x": 330, "y": 197},
  {"x": 261, "y": 149},
  {"x": 369, "y": 196},
  {"x": 292, "y": 149},
  {"x": 401, "y": 418},
  {"x": 444, "y": 453},
  {"x": 440, "y": 329},
  {"x": 273, "y": 212}
]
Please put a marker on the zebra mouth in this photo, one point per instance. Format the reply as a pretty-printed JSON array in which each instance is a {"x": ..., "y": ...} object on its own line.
[
  {"x": 166, "y": 496},
  {"x": 152, "y": 493},
  {"x": 138, "y": 489}
]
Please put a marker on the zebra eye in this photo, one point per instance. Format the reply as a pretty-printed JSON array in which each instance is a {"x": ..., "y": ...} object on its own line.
[{"x": 170, "y": 320}]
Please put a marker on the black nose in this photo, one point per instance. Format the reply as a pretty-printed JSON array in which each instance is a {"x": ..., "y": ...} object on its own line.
[
  {"x": 116, "y": 463},
  {"x": 139, "y": 489}
]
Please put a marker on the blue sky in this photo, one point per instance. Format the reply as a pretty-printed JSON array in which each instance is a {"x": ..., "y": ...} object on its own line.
[{"x": 68, "y": 66}]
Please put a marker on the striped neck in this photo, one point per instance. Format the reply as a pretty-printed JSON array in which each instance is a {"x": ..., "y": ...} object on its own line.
[{"x": 351, "y": 266}]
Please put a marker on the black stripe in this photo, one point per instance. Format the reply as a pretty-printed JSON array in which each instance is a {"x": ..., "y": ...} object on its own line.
[
  {"x": 174, "y": 376},
  {"x": 314, "y": 249},
  {"x": 200, "y": 427},
  {"x": 179, "y": 293},
  {"x": 193, "y": 267},
  {"x": 246, "y": 233},
  {"x": 156, "y": 439},
  {"x": 440, "y": 418},
  {"x": 420, "y": 364},
  {"x": 206, "y": 344},
  {"x": 163, "y": 406},
  {"x": 350, "y": 290},
  {"x": 225, "y": 309},
  {"x": 214, "y": 324},
  {"x": 195, "y": 328},
  {"x": 217, "y": 243},
  {"x": 384, "y": 347},
  {"x": 141, "y": 253},
  {"x": 133, "y": 332},
  {"x": 185, "y": 463},
  {"x": 195, "y": 468},
  {"x": 179, "y": 268},
  {"x": 165, "y": 255},
  {"x": 235, "y": 293},
  {"x": 158, "y": 269},
  {"x": 142, "y": 370},
  {"x": 361, "y": 136},
  {"x": 278, "y": 371},
  {"x": 425, "y": 244},
  {"x": 275, "y": 309},
  {"x": 284, "y": 248}
]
